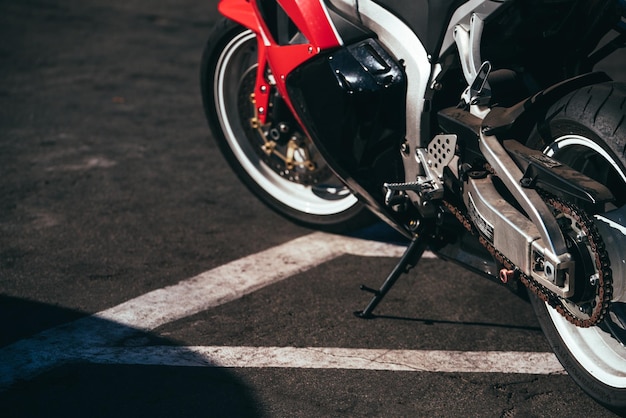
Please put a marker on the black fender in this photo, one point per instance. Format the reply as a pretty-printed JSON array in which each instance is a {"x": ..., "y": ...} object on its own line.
[
  {"x": 518, "y": 120},
  {"x": 513, "y": 125}
]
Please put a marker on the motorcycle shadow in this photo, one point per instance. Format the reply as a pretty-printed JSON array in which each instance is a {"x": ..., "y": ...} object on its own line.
[{"x": 427, "y": 321}]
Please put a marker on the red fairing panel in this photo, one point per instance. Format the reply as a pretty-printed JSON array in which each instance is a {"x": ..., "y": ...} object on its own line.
[{"x": 311, "y": 18}]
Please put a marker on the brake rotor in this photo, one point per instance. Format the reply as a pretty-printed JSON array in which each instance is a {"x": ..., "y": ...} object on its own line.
[{"x": 283, "y": 148}]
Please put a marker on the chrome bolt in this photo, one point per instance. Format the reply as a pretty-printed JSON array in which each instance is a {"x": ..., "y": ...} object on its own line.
[
  {"x": 414, "y": 224},
  {"x": 586, "y": 308},
  {"x": 582, "y": 238}
]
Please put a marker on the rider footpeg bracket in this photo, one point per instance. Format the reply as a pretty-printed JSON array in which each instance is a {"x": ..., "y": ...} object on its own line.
[
  {"x": 433, "y": 160},
  {"x": 441, "y": 152}
]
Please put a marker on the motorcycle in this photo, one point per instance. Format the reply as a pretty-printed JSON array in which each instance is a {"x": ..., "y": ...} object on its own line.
[{"x": 477, "y": 129}]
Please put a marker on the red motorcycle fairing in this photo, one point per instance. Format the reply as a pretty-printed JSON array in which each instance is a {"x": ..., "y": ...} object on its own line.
[
  {"x": 312, "y": 20},
  {"x": 349, "y": 98}
]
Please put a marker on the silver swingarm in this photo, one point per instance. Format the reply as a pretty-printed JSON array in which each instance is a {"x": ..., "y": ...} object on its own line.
[
  {"x": 535, "y": 244},
  {"x": 517, "y": 237}
]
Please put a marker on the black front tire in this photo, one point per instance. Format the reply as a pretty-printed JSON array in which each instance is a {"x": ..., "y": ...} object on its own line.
[{"x": 313, "y": 198}]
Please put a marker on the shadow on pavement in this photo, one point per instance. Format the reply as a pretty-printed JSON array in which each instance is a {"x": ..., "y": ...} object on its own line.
[{"x": 50, "y": 376}]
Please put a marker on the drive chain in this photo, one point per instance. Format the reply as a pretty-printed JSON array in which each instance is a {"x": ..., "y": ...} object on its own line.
[{"x": 604, "y": 283}]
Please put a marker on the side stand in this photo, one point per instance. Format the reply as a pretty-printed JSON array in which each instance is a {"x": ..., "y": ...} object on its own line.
[{"x": 409, "y": 260}]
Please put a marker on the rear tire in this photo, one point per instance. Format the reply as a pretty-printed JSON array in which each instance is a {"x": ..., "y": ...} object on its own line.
[
  {"x": 587, "y": 131},
  {"x": 311, "y": 197}
]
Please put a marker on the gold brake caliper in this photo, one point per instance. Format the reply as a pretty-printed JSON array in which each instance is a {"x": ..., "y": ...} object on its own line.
[{"x": 297, "y": 152}]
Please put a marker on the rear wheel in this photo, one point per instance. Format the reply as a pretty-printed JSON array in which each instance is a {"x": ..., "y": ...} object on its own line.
[
  {"x": 587, "y": 131},
  {"x": 276, "y": 161}
]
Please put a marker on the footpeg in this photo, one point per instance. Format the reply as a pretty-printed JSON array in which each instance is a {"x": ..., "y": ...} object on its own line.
[
  {"x": 433, "y": 160},
  {"x": 394, "y": 191}
]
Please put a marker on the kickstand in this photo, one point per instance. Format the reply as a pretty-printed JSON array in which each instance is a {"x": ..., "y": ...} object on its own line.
[{"x": 409, "y": 260}]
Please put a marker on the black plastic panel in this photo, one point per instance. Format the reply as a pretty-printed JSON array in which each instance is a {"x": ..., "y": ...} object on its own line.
[{"x": 352, "y": 102}]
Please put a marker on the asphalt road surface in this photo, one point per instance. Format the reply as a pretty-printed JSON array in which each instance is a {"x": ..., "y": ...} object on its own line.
[{"x": 139, "y": 278}]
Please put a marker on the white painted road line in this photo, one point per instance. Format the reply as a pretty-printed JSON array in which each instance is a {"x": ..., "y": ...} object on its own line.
[
  {"x": 27, "y": 358},
  {"x": 332, "y": 358},
  {"x": 225, "y": 283}
]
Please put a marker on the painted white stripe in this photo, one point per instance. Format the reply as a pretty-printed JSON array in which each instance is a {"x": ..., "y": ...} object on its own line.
[
  {"x": 238, "y": 278},
  {"x": 611, "y": 223},
  {"x": 76, "y": 340},
  {"x": 225, "y": 283},
  {"x": 332, "y": 358},
  {"x": 24, "y": 359}
]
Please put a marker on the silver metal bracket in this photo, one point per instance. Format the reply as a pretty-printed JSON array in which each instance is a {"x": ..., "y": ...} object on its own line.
[
  {"x": 479, "y": 92},
  {"x": 468, "y": 42},
  {"x": 440, "y": 153}
]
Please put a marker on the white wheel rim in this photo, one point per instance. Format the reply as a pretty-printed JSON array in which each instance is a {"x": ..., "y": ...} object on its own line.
[
  {"x": 293, "y": 195},
  {"x": 594, "y": 349}
]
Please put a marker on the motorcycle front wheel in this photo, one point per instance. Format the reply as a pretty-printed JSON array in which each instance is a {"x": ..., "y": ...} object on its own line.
[
  {"x": 587, "y": 131},
  {"x": 301, "y": 187}
]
